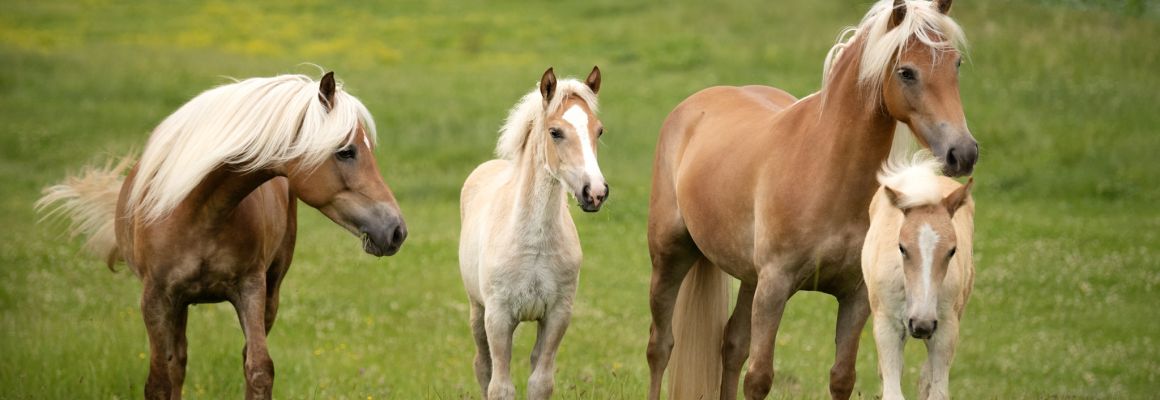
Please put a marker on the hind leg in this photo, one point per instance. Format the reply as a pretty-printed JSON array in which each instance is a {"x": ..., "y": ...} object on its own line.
[
  {"x": 735, "y": 348},
  {"x": 853, "y": 309},
  {"x": 482, "y": 351},
  {"x": 671, "y": 262},
  {"x": 165, "y": 323}
]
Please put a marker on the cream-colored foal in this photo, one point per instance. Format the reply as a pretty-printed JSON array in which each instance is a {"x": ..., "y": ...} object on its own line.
[{"x": 519, "y": 253}]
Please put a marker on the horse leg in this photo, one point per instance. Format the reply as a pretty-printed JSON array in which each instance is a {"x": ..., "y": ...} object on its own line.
[
  {"x": 890, "y": 338},
  {"x": 735, "y": 348},
  {"x": 853, "y": 309},
  {"x": 482, "y": 353},
  {"x": 274, "y": 276},
  {"x": 165, "y": 324},
  {"x": 773, "y": 291},
  {"x": 670, "y": 265},
  {"x": 940, "y": 348},
  {"x": 499, "y": 327},
  {"x": 177, "y": 368},
  {"x": 259, "y": 368},
  {"x": 551, "y": 333}
]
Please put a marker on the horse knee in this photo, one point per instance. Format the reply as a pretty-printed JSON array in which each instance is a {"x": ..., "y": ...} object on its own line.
[
  {"x": 540, "y": 386},
  {"x": 659, "y": 351},
  {"x": 842, "y": 381},
  {"x": 501, "y": 391},
  {"x": 157, "y": 386},
  {"x": 260, "y": 375},
  {"x": 758, "y": 384},
  {"x": 734, "y": 349}
]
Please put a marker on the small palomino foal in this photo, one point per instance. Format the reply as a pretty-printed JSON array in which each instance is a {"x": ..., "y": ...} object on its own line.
[
  {"x": 209, "y": 212},
  {"x": 519, "y": 252},
  {"x": 917, "y": 262}
]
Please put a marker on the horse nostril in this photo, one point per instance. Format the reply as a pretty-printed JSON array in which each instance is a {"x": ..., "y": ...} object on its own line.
[
  {"x": 951, "y": 160},
  {"x": 585, "y": 193},
  {"x": 910, "y": 324},
  {"x": 607, "y": 191},
  {"x": 399, "y": 235},
  {"x": 934, "y": 326}
]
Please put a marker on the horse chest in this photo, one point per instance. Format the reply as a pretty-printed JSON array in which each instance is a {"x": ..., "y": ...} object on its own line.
[{"x": 530, "y": 285}]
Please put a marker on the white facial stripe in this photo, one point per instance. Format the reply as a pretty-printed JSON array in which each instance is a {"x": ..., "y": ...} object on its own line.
[
  {"x": 367, "y": 141},
  {"x": 927, "y": 240},
  {"x": 579, "y": 119}
]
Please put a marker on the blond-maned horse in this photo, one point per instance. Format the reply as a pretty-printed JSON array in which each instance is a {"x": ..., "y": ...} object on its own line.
[
  {"x": 519, "y": 253},
  {"x": 774, "y": 191},
  {"x": 919, "y": 269},
  {"x": 208, "y": 214}
]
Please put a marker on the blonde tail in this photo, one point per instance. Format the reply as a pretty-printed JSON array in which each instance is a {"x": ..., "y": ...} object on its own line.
[
  {"x": 699, "y": 318},
  {"x": 89, "y": 202}
]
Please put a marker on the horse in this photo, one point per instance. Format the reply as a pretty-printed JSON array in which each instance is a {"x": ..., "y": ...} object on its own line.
[
  {"x": 519, "y": 252},
  {"x": 209, "y": 212},
  {"x": 919, "y": 269},
  {"x": 773, "y": 191}
]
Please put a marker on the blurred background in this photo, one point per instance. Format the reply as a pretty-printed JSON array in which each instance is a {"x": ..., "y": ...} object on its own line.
[{"x": 1062, "y": 96}]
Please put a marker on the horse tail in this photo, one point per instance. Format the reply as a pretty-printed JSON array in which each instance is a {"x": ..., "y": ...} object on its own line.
[
  {"x": 89, "y": 201},
  {"x": 699, "y": 318}
]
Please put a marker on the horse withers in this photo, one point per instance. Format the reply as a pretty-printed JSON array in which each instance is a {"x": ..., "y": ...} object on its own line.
[
  {"x": 519, "y": 252},
  {"x": 919, "y": 269},
  {"x": 209, "y": 213},
  {"x": 773, "y": 191}
]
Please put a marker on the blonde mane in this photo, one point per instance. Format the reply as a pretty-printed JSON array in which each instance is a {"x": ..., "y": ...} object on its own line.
[
  {"x": 527, "y": 116},
  {"x": 248, "y": 125},
  {"x": 914, "y": 178},
  {"x": 880, "y": 45}
]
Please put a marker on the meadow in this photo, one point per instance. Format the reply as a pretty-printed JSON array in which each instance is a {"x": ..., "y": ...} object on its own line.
[{"x": 1061, "y": 95}]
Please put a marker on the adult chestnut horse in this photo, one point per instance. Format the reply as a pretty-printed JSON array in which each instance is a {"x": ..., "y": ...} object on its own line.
[
  {"x": 774, "y": 191},
  {"x": 209, "y": 212}
]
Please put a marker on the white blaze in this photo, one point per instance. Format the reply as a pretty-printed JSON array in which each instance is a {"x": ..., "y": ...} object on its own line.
[
  {"x": 927, "y": 240},
  {"x": 579, "y": 119}
]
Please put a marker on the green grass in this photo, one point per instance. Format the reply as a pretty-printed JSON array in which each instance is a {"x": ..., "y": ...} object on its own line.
[{"x": 1061, "y": 95}]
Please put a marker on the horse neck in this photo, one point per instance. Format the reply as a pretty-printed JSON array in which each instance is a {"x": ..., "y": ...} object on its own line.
[
  {"x": 858, "y": 141},
  {"x": 538, "y": 195},
  {"x": 216, "y": 197}
]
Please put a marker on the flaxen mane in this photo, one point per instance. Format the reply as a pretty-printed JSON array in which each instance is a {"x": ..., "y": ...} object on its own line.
[
  {"x": 527, "y": 116},
  {"x": 249, "y": 125},
  {"x": 880, "y": 45}
]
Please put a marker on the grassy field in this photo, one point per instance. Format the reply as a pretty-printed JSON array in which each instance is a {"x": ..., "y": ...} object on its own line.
[{"x": 1062, "y": 96}]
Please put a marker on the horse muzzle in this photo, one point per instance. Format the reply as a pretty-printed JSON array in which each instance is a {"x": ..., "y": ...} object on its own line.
[
  {"x": 592, "y": 199},
  {"x": 921, "y": 328},
  {"x": 384, "y": 239}
]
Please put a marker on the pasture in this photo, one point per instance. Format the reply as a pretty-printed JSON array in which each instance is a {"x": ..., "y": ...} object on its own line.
[{"x": 1061, "y": 95}]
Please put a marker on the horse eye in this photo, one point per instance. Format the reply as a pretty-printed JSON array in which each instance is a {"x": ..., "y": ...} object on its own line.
[
  {"x": 556, "y": 133},
  {"x": 902, "y": 250},
  {"x": 952, "y": 252},
  {"x": 907, "y": 74},
  {"x": 600, "y": 132},
  {"x": 346, "y": 153}
]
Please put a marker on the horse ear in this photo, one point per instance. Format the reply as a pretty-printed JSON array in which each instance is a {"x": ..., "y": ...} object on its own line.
[
  {"x": 943, "y": 6},
  {"x": 548, "y": 85},
  {"x": 593, "y": 80},
  {"x": 895, "y": 199},
  {"x": 897, "y": 14},
  {"x": 958, "y": 197},
  {"x": 326, "y": 90}
]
